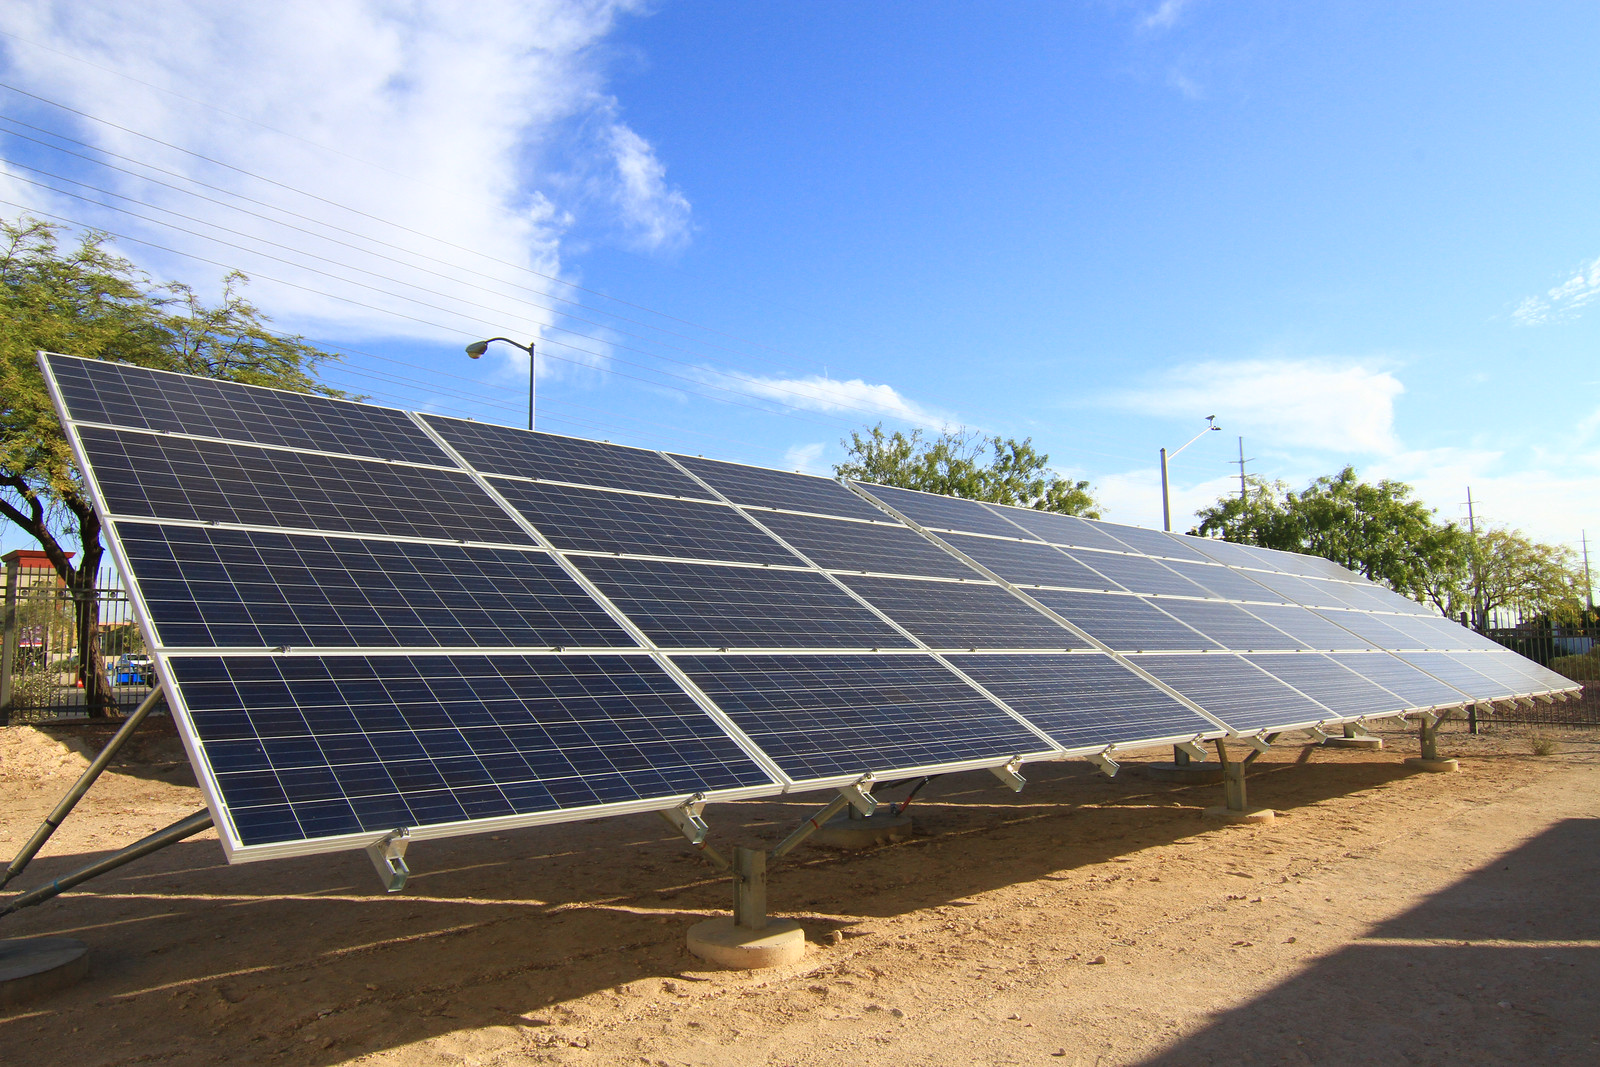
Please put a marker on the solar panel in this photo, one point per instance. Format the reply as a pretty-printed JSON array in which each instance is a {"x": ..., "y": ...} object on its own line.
[
  {"x": 1225, "y": 583},
  {"x": 779, "y": 489},
  {"x": 698, "y": 605},
  {"x": 1230, "y": 626},
  {"x": 1236, "y": 691},
  {"x": 145, "y": 476},
  {"x": 520, "y": 453},
  {"x": 944, "y": 512},
  {"x": 1309, "y": 628},
  {"x": 1083, "y": 700},
  {"x": 962, "y": 614},
  {"x": 594, "y": 520},
  {"x": 137, "y": 398},
  {"x": 828, "y": 716},
  {"x": 1306, "y": 566},
  {"x": 355, "y": 641},
  {"x": 313, "y": 747},
  {"x": 1152, "y": 542},
  {"x": 838, "y": 545},
  {"x": 1329, "y": 683},
  {"x": 1416, "y": 688},
  {"x": 219, "y": 588},
  {"x": 1028, "y": 562},
  {"x": 1124, "y": 623},
  {"x": 1066, "y": 530},
  {"x": 1455, "y": 672},
  {"x": 1374, "y": 628},
  {"x": 1139, "y": 574},
  {"x": 1303, "y": 590}
]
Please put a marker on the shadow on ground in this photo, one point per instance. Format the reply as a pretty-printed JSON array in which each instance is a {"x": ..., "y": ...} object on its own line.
[
  {"x": 194, "y": 960},
  {"x": 1452, "y": 980}
]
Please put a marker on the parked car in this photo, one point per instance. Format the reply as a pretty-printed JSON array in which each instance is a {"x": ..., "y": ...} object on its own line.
[{"x": 133, "y": 670}]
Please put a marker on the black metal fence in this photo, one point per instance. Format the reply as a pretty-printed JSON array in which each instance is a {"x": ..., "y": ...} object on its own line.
[{"x": 39, "y": 657}]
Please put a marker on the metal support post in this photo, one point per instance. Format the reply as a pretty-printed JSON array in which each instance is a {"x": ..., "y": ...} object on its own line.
[
  {"x": 1428, "y": 735},
  {"x": 85, "y": 780},
  {"x": 1180, "y": 756},
  {"x": 8, "y": 649},
  {"x": 749, "y": 888},
  {"x": 1232, "y": 779},
  {"x": 179, "y": 830}
]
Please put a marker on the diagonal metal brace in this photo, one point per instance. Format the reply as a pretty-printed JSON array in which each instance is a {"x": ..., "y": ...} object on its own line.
[
  {"x": 388, "y": 855},
  {"x": 1011, "y": 774},
  {"x": 856, "y": 795}
]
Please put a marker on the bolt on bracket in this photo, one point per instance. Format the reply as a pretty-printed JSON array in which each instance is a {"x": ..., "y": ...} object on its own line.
[
  {"x": 1318, "y": 735},
  {"x": 1257, "y": 742},
  {"x": 1104, "y": 763},
  {"x": 1193, "y": 749},
  {"x": 686, "y": 819},
  {"x": 1010, "y": 773},
  {"x": 859, "y": 794},
  {"x": 388, "y": 855}
]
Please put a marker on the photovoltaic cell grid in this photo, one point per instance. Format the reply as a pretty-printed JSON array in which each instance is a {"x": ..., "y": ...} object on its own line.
[
  {"x": 134, "y": 398},
  {"x": 886, "y": 711},
  {"x": 549, "y": 457},
  {"x": 306, "y": 748}
]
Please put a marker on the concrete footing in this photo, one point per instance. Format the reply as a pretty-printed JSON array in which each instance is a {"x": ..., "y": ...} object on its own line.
[
  {"x": 1183, "y": 773},
  {"x": 849, "y": 833},
  {"x": 32, "y": 967},
  {"x": 1437, "y": 766},
  {"x": 1354, "y": 742},
  {"x": 721, "y": 942},
  {"x": 1226, "y": 814}
]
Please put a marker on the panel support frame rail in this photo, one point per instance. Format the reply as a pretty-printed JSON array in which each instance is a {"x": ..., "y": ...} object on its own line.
[{"x": 91, "y": 773}]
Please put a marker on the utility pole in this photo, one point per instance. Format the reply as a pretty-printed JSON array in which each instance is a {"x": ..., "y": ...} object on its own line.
[
  {"x": 1479, "y": 622},
  {"x": 1588, "y": 582},
  {"x": 1242, "y": 462}
]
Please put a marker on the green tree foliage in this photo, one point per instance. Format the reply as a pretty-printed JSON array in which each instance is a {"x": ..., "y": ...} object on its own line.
[
  {"x": 968, "y": 465},
  {"x": 83, "y": 300},
  {"x": 1383, "y": 533}
]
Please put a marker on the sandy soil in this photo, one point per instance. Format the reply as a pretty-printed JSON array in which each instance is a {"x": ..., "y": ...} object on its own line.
[{"x": 1387, "y": 916}]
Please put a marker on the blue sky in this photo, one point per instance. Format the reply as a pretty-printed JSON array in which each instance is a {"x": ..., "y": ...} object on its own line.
[{"x": 1356, "y": 232}]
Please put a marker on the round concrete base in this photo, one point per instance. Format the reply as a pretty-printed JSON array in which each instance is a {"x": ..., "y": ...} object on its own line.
[
  {"x": 1184, "y": 773},
  {"x": 727, "y": 945},
  {"x": 847, "y": 833},
  {"x": 1354, "y": 742},
  {"x": 1225, "y": 814},
  {"x": 1437, "y": 766},
  {"x": 34, "y": 966}
]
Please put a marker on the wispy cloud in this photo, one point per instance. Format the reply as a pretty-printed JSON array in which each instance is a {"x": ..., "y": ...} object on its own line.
[
  {"x": 1164, "y": 16},
  {"x": 1564, "y": 302},
  {"x": 807, "y": 459},
  {"x": 431, "y": 147},
  {"x": 853, "y": 397},
  {"x": 1320, "y": 404}
]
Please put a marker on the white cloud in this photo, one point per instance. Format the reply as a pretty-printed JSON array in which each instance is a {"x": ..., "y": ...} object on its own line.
[
  {"x": 1165, "y": 16},
  {"x": 1564, "y": 302},
  {"x": 452, "y": 123},
  {"x": 818, "y": 393},
  {"x": 807, "y": 459},
  {"x": 1296, "y": 403}
]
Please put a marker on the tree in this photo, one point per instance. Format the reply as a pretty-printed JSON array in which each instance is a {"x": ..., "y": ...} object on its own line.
[
  {"x": 968, "y": 465},
  {"x": 86, "y": 301},
  {"x": 1261, "y": 517},
  {"x": 1512, "y": 570}
]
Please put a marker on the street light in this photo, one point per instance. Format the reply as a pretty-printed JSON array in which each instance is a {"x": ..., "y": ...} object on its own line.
[
  {"x": 478, "y": 348},
  {"x": 1166, "y": 506}
]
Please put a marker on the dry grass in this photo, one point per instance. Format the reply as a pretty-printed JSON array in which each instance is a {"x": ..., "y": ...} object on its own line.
[{"x": 1541, "y": 743}]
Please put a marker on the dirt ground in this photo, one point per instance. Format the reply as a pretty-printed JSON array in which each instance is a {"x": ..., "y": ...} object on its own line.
[{"x": 1386, "y": 916}]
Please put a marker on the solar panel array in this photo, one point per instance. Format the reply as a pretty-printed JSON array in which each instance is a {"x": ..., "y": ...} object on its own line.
[{"x": 368, "y": 620}]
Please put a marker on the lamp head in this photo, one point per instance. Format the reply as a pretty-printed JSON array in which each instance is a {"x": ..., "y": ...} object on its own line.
[{"x": 477, "y": 348}]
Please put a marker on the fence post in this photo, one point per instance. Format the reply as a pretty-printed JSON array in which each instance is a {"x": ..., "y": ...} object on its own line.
[{"x": 8, "y": 646}]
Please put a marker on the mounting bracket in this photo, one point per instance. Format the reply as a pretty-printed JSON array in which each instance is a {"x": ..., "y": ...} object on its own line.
[
  {"x": 1257, "y": 742},
  {"x": 859, "y": 795},
  {"x": 1318, "y": 735},
  {"x": 1545, "y": 698},
  {"x": 686, "y": 819},
  {"x": 388, "y": 855},
  {"x": 1193, "y": 749},
  {"x": 1104, "y": 763},
  {"x": 1011, "y": 774}
]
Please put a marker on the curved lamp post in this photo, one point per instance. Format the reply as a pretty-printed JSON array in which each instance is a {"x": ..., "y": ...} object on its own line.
[
  {"x": 1166, "y": 507},
  {"x": 478, "y": 348}
]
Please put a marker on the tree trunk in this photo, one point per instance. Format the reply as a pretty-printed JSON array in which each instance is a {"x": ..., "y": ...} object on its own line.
[{"x": 97, "y": 698}]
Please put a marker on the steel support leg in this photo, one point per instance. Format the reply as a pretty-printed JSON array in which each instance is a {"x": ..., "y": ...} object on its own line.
[
  {"x": 179, "y": 830},
  {"x": 79, "y": 788},
  {"x": 749, "y": 888},
  {"x": 1232, "y": 779}
]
